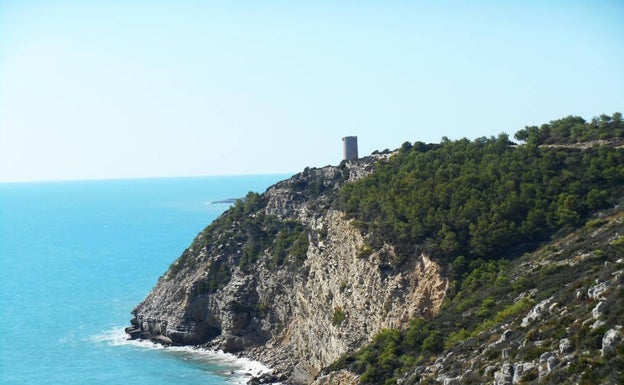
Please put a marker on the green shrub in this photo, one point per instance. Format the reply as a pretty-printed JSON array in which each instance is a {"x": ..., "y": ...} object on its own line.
[
  {"x": 364, "y": 252},
  {"x": 339, "y": 316},
  {"x": 456, "y": 337},
  {"x": 486, "y": 307},
  {"x": 434, "y": 343}
]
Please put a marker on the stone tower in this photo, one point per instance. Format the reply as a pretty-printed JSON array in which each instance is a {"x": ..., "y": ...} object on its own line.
[{"x": 350, "y": 148}]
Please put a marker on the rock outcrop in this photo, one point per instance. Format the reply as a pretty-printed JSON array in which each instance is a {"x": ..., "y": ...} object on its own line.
[{"x": 302, "y": 315}]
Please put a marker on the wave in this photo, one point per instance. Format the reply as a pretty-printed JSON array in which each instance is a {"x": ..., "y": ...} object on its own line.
[{"x": 238, "y": 370}]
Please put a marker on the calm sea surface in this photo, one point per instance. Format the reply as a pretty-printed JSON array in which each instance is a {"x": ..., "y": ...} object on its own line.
[{"x": 76, "y": 257}]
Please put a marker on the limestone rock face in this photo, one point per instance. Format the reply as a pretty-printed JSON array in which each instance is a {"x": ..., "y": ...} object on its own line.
[
  {"x": 505, "y": 375},
  {"x": 302, "y": 316},
  {"x": 342, "y": 377},
  {"x": 610, "y": 339}
]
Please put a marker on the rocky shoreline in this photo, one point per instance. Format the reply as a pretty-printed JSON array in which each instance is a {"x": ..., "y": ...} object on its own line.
[{"x": 252, "y": 372}]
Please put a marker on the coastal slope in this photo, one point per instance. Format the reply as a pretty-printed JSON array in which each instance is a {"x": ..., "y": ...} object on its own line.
[
  {"x": 462, "y": 262},
  {"x": 242, "y": 287}
]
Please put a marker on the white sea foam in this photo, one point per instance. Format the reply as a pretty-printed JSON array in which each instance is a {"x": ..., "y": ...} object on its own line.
[{"x": 238, "y": 369}]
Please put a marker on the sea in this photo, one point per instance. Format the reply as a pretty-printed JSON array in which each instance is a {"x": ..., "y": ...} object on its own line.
[{"x": 77, "y": 256}]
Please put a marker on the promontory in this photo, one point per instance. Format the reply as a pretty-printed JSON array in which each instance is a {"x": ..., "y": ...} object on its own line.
[{"x": 489, "y": 260}]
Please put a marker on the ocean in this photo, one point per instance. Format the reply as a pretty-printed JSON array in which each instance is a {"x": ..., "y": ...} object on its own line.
[{"x": 76, "y": 257}]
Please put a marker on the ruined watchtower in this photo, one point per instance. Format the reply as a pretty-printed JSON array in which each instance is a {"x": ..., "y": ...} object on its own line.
[{"x": 350, "y": 149}]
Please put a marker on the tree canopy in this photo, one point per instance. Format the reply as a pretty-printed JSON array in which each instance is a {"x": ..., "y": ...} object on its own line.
[{"x": 483, "y": 198}]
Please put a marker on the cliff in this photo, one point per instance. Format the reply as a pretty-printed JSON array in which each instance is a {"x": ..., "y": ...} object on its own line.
[
  {"x": 464, "y": 262},
  {"x": 302, "y": 314}
]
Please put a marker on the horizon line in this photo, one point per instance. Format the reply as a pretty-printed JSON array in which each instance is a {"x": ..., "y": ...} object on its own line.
[{"x": 127, "y": 178}]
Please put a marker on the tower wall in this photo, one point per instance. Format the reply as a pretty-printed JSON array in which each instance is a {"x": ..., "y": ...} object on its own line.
[{"x": 350, "y": 147}]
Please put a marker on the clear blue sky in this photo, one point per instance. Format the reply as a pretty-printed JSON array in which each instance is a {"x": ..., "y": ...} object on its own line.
[{"x": 111, "y": 88}]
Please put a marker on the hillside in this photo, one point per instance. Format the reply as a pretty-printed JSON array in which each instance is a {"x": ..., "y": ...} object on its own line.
[
  {"x": 551, "y": 316},
  {"x": 458, "y": 262}
]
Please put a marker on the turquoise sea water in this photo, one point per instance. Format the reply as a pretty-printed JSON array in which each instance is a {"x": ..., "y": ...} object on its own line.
[{"x": 76, "y": 257}]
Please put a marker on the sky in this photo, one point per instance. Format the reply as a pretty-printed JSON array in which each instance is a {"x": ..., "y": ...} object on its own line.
[{"x": 137, "y": 88}]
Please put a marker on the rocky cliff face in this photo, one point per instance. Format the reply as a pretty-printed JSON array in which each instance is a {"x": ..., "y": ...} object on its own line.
[{"x": 299, "y": 314}]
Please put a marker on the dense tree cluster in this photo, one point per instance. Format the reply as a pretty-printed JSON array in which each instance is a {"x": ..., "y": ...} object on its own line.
[
  {"x": 574, "y": 129},
  {"x": 487, "y": 197}
]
